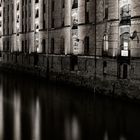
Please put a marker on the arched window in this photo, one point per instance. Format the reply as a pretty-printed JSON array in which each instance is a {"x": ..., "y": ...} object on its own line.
[
  {"x": 125, "y": 11},
  {"x": 105, "y": 45},
  {"x": 75, "y": 20},
  {"x": 125, "y": 14}
]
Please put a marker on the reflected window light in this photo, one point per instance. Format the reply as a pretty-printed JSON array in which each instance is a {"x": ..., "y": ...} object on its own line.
[
  {"x": 122, "y": 138},
  {"x": 17, "y": 115},
  {"x": 75, "y": 129},
  {"x": 67, "y": 129},
  {"x": 1, "y": 113},
  {"x": 106, "y": 136},
  {"x": 72, "y": 130},
  {"x": 36, "y": 121}
]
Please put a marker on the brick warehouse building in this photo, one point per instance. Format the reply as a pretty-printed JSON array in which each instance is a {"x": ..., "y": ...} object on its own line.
[{"x": 95, "y": 39}]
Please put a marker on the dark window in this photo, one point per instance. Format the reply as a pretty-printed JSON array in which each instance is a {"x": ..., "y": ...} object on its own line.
[
  {"x": 104, "y": 68},
  {"x": 73, "y": 62},
  {"x": 44, "y": 8},
  {"x": 62, "y": 47},
  {"x": 75, "y": 4},
  {"x": 106, "y": 13},
  {"x": 124, "y": 71},
  {"x": 63, "y": 3},
  {"x": 52, "y": 24},
  {"x": 36, "y": 1},
  {"x": 53, "y": 5},
  {"x": 44, "y": 23},
  {"x": 63, "y": 22},
  {"x": 86, "y": 45},
  {"x": 26, "y": 46},
  {"x": 37, "y": 14},
  {"x": 3, "y": 45},
  {"x": 43, "y": 46},
  {"x": 8, "y": 48},
  {"x": 87, "y": 17},
  {"x": 22, "y": 46},
  {"x": 52, "y": 45},
  {"x": 17, "y": 6}
]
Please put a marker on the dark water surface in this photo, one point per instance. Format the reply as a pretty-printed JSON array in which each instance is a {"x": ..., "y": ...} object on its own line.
[{"x": 32, "y": 109}]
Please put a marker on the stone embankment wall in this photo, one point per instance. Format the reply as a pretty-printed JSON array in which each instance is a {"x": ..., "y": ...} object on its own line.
[{"x": 102, "y": 79}]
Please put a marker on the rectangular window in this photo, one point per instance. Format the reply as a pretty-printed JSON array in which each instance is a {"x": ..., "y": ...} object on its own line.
[
  {"x": 52, "y": 45},
  {"x": 44, "y": 7},
  {"x": 62, "y": 47},
  {"x": 43, "y": 46},
  {"x": 75, "y": 4},
  {"x": 53, "y": 3},
  {"x": 63, "y": 23},
  {"x": 63, "y": 3},
  {"x": 36, "y": 1},
  {"x": 52, "y": 24},
  {"x": 86, "y": 45},
  {"x": 86, "y": 17},
  {"x": 106, "y": 13},
  {"x": 22, "y": 46},
  {"x": 105, "y": 9},
  {"x": 44, "y": 24}
]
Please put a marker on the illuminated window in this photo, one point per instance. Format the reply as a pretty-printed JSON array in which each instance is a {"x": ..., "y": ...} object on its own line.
[
  {"x": 75, "y": 20},
  {"x": 105, "y": 45},
  {"x": 125, "y": 44},
  {"x": 125, "y": 12}
]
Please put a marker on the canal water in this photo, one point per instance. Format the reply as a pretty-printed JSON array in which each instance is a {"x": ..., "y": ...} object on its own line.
[{"x": 33, "y": 109}]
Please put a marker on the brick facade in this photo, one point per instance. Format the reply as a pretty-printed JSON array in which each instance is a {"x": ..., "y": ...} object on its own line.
[{"x": 99, "y": 38}]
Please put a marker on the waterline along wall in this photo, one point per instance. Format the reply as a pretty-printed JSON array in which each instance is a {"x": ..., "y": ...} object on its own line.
[{"x": 89, "y": 43}]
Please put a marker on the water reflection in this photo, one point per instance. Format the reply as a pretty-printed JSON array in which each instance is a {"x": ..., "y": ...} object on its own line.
[
  {"x": 36, "y": 120},
  {"x": 31, "y": 109},
  {"x": 1, "y": 113},
  {"x": 17, "y": 109},
  {"x": 72, "y": 130}
]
